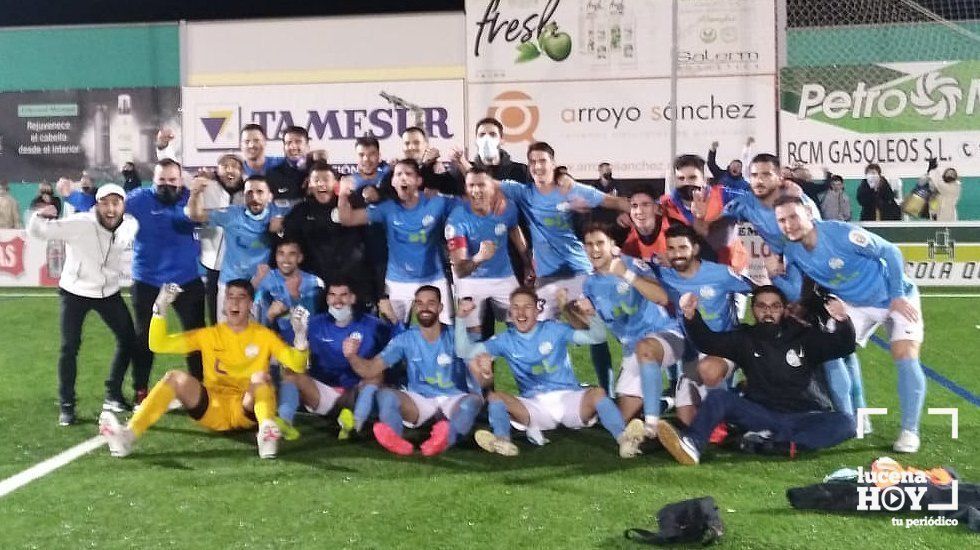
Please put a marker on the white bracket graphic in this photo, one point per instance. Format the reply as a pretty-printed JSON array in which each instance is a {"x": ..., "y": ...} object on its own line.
[
  {"x": 952, "y": 412},
  {"x": 862, "y": 418}
]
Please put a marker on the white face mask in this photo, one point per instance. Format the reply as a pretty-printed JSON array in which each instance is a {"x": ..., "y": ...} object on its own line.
[
  {"x": 873, "y": 179},
  {"x": 488, "y": 147},
  {"x": 341, "y": 314}
]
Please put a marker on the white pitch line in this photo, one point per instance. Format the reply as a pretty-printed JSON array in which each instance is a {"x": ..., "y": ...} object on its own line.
[{"x": 42, "y": 469}]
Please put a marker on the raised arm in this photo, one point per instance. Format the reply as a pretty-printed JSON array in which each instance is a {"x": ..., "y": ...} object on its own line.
[
  {"x": 295, "y": 357},
  {"x": 716, "y": 171},
  {"x": 349, "y": 216},
  {"x": 159, "y": 340},
  {"x": 195, "y": 204},
  {"x": 720, "y": 344}
]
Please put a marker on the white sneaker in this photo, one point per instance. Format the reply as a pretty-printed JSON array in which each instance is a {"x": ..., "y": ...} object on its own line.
[
  {"x": 119, "y": 437},
  {"x": 907, "y": 442},
  {"x": 493, "y": 444},
  {"x": 268, "y": 439},
  {"x": 681, "y": 448},
  {"x": 630, "y": 439}
]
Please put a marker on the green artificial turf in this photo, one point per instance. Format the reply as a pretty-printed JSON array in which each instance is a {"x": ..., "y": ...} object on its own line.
[{"x": 185, "y": 488}]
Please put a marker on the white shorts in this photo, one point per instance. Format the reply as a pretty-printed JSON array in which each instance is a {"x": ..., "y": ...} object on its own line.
[
  {"x": 496, "y": 291},
  {"x": 328, "y": 398},
  {"x": 629, "y": 382},
  {"x": 547, "y": 289},
  {"x": 689, "y": 392},
  {"x": 551, "y": 409},
  {"x": 429, "y": 406},
  {"x": 402, "y": 297},
  {"x": 867, "y": 319}
]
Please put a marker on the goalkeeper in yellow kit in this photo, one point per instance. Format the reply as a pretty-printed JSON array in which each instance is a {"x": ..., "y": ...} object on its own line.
[{"x": 237, "y": 392}]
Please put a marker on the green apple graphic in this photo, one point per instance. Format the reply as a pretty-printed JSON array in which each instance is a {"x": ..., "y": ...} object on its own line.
[{"x": 556, "y": 45}]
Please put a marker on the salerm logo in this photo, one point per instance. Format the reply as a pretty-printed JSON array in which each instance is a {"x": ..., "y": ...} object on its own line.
[{"x": 940, "y": 99}]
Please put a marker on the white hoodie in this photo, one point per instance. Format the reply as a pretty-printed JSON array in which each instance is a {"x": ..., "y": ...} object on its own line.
[{"x": 94, "y": 257}]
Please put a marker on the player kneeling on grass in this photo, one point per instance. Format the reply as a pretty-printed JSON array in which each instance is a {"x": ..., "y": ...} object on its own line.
[
  {"x": 784, "y": 407},
  {"x": 436, "y": 387},
  {"x": 550, "y": 394},
  {"x": 237, "y": 392},
  {"x": 331, "y": 384},
  {"x": 627, "y": 299}
]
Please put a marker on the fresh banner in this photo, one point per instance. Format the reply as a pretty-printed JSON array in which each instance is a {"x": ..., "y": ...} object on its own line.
[
  {"x": 537, "y": 40},
  {"x": 334, "y": 114},
  {"x": 628, "y": 124},
  {"x": 48, "y": 134},
  {"x": 898, "y": 115}
]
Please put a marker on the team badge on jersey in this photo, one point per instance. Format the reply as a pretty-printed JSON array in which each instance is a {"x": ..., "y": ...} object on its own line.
[
  {"x": 707, "y": 292},
  {"x": 444, "y": 359},
  {"x": 450, "y": 231},
  {"x": 859, "y": 237},
  {"x": 545, "y": 348},
  {"x": 641, "y": 265},
  {"x": 835, "y": 263},
  {"x": 500, "y": 229},
  {"x": 428, "y": 220},
  {"x": 356, "y": 335},
  {"x": 562, "y": 206},
  {"x": 793, "y": 359},
  {"x": 335, "y": 215},
  {"x": 251, "y": 351},
  {"x": 622, "y": 287}
]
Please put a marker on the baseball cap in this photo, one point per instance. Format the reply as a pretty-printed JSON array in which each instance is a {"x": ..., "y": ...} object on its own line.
[{"x": 109, "y": 189}]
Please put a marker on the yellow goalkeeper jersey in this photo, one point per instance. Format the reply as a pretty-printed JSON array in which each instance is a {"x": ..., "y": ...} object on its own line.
[{"x": 230, "y": 358}]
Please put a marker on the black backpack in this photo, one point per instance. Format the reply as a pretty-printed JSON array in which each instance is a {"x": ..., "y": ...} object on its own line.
[{"x": 694, "y": 520}]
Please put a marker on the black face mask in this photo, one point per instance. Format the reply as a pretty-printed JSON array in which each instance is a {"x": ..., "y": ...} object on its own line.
[
  {"x": 128, "y": 173},
  {"x": 89, "y": 190},
  {"x": 167, "y": 194},
  {"x": 687, "y": 192}
]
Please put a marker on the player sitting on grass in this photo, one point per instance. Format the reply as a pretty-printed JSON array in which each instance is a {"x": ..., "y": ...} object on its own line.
[
  {"x": 784, "y": 407},
  {"x": 237, "y": 392},
  {"x": 550, "y": 394},
  {"x": 624, "y": 295},
  {"x": 281, "y": 290},
  {"x": 331, "y": 384},
  {"x": 436, "y": 386}
]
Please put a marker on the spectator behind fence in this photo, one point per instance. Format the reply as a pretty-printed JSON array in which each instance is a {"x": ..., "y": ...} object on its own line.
[
  {"x": 9, "y": 209},
  {"x": 131, "y": 178},
  {"x": 79, "y": 194},
  {"x": 45, "y": 196},
  {"x": 946, "y": 188},
  {"x": 876, "y": 197},
  {"x": 835, "y": 204}
]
